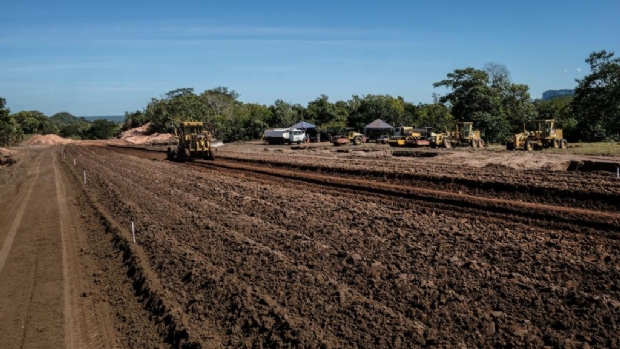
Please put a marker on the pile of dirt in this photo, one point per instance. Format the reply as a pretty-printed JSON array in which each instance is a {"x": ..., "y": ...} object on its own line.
[
  {"x": 139, "y": 135},
  {"x": 50, "y": 139},
  {"x": 6, "y": 156}
]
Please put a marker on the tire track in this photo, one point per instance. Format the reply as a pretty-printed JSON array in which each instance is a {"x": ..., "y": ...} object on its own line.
[
  {"x": 8, "y": 241},
  {"x": 82, "y": 326}
]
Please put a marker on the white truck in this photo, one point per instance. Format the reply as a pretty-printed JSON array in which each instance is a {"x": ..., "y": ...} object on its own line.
[{"x": 284, "y": 135}]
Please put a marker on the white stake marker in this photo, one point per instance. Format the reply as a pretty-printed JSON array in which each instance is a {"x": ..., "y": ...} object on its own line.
[
  {"x": 133, "y": 232},
  {"x": 73, "y": 162},
  {"x": 617, "y": 172},
  {"x": 84, "y": 176}
]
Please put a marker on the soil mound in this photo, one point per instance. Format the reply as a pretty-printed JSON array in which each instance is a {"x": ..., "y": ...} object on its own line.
[
  {"x": 50, "y": 139},
  {"x": 6, "y": 156},
  {"x": 139, "y": 135}
]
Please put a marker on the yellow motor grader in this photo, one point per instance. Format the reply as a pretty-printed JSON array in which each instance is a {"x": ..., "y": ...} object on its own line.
[
  {"x": 463, "y": 136},
  {"x": 543, "y": 134},
  {"x": 193, "y": 142}
]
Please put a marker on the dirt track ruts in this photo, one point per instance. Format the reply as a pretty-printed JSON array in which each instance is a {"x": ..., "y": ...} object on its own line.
[
  {"x": 249, "y": 259},
  {"x": 575, "y": 218}
]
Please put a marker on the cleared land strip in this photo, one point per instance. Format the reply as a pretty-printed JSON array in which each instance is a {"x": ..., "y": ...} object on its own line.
[
  {"x": 572, "y": 216},
  {"x": 251, "y": 259}
]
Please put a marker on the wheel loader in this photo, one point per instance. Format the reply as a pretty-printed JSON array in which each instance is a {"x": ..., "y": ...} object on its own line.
[
  {"x": 463, "y": 136},
  {"x": 193, "y": 142},
  {"x": 542, "y": 134}
]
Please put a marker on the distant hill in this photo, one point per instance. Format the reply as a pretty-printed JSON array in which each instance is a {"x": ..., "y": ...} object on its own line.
[
  {"x": 551, "y": 94},
  {"x": 113, "y": 118}
]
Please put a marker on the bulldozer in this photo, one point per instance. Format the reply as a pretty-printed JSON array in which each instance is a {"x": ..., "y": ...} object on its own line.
[
  {"x": 193, "y": 142},
  {"x": 351, "y": 137},
  {"x": 463, "y": 136},
  {"x": 543, "y": 134}
]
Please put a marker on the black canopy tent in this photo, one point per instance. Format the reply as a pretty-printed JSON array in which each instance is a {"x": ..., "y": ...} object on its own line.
[{"x": 379, "y": 125}]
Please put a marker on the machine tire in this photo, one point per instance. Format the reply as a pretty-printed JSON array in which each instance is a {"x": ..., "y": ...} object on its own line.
[
  {"x": 357, "y": 140},
  {"x": 529, "y": 146},
  {"x": 447, "y": 144},
  {"x": 563, "y": 144},
  {"x": 210, "y": 155},
  {"x": 556, "y": 143},
  {"x": 169, "y": 154},
  {"x": 480, "y": 143},
  {"x": 181, "y": 155},
  {"x": 510, "y": 146}
]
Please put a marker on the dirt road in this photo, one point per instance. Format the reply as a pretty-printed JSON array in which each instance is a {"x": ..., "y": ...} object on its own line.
[{"x": 43, "y": 287}]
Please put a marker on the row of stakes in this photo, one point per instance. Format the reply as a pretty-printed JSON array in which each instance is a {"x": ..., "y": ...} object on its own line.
[{"x": 133, "y": 229}]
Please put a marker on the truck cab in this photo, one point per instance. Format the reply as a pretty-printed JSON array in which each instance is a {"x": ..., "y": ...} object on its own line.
[{"x": 296, "y": 136}]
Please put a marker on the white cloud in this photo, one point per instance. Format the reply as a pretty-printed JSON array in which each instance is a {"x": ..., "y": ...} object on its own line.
[
  {"x": 578, "y": 69},
  {"x": 566, "y": 70}
]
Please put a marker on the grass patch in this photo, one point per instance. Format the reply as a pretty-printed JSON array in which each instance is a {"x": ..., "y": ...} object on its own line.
[{"x": 599, "y": 148}]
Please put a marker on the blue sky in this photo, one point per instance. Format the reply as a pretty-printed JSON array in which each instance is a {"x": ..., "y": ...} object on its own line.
[{"x": 105, "y": 58}]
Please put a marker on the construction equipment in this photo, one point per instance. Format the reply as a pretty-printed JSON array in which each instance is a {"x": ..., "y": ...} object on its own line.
[
  {"x": 406, "y": 136},
  {"x": 284, "y": 135},
  {"x": 542, "y": 134},
  {"x": 193, "y": 142},
  {"x": 351, "y": 137},
  {"x": 463, "y": 136}
]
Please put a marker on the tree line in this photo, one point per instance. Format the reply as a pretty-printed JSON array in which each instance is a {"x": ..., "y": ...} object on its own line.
[
  {"x": 487, "y": 96},
  {"x": 13, "y": 127}
]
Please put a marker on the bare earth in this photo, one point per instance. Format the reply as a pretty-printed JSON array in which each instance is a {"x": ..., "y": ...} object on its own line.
[{"x": 313, "y": 246}]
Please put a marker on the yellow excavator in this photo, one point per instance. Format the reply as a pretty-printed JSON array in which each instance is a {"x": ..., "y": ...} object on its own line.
[{"x": 193, "y": 142}]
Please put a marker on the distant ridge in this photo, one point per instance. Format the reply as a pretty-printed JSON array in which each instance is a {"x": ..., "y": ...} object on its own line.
[
  {"x": 113, "y": 118},
  {"x": 551, "y": 94}
]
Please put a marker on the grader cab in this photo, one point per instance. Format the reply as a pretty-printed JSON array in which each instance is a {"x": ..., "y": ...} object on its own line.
[
  {"x": 193, "y": 142},
  {"x": 542, "y": 134}
]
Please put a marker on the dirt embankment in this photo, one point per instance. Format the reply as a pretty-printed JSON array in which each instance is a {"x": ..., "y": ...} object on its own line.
[
  {"x": 242, "y": 260},
  {"x": 140, "y": 135},
  {"x": 7, "y": 156},
  {"x": 50, "y": 139}
]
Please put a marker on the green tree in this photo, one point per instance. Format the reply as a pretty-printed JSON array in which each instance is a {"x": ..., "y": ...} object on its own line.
[
  {"x": 135, "y": 119},
  {"x": 597, "y": 99},
  {"x": 487, "y": 97},
  {"x": 10, "y": 130},
  {"x": 254, "y": 122},
  {"x": 372, "y": 107},
  {"x": 435, "y": 115},
  {"x": 517, "y": 106},
  {"x": 282, "y": 114},
  {"x": 470, "y": 93},
  {"x": 322, "y": 111},
  {"x": 102, "y": 129}
]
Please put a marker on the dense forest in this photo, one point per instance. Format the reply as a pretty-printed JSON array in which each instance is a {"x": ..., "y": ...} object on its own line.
[{"x": 498, "y": 107}]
